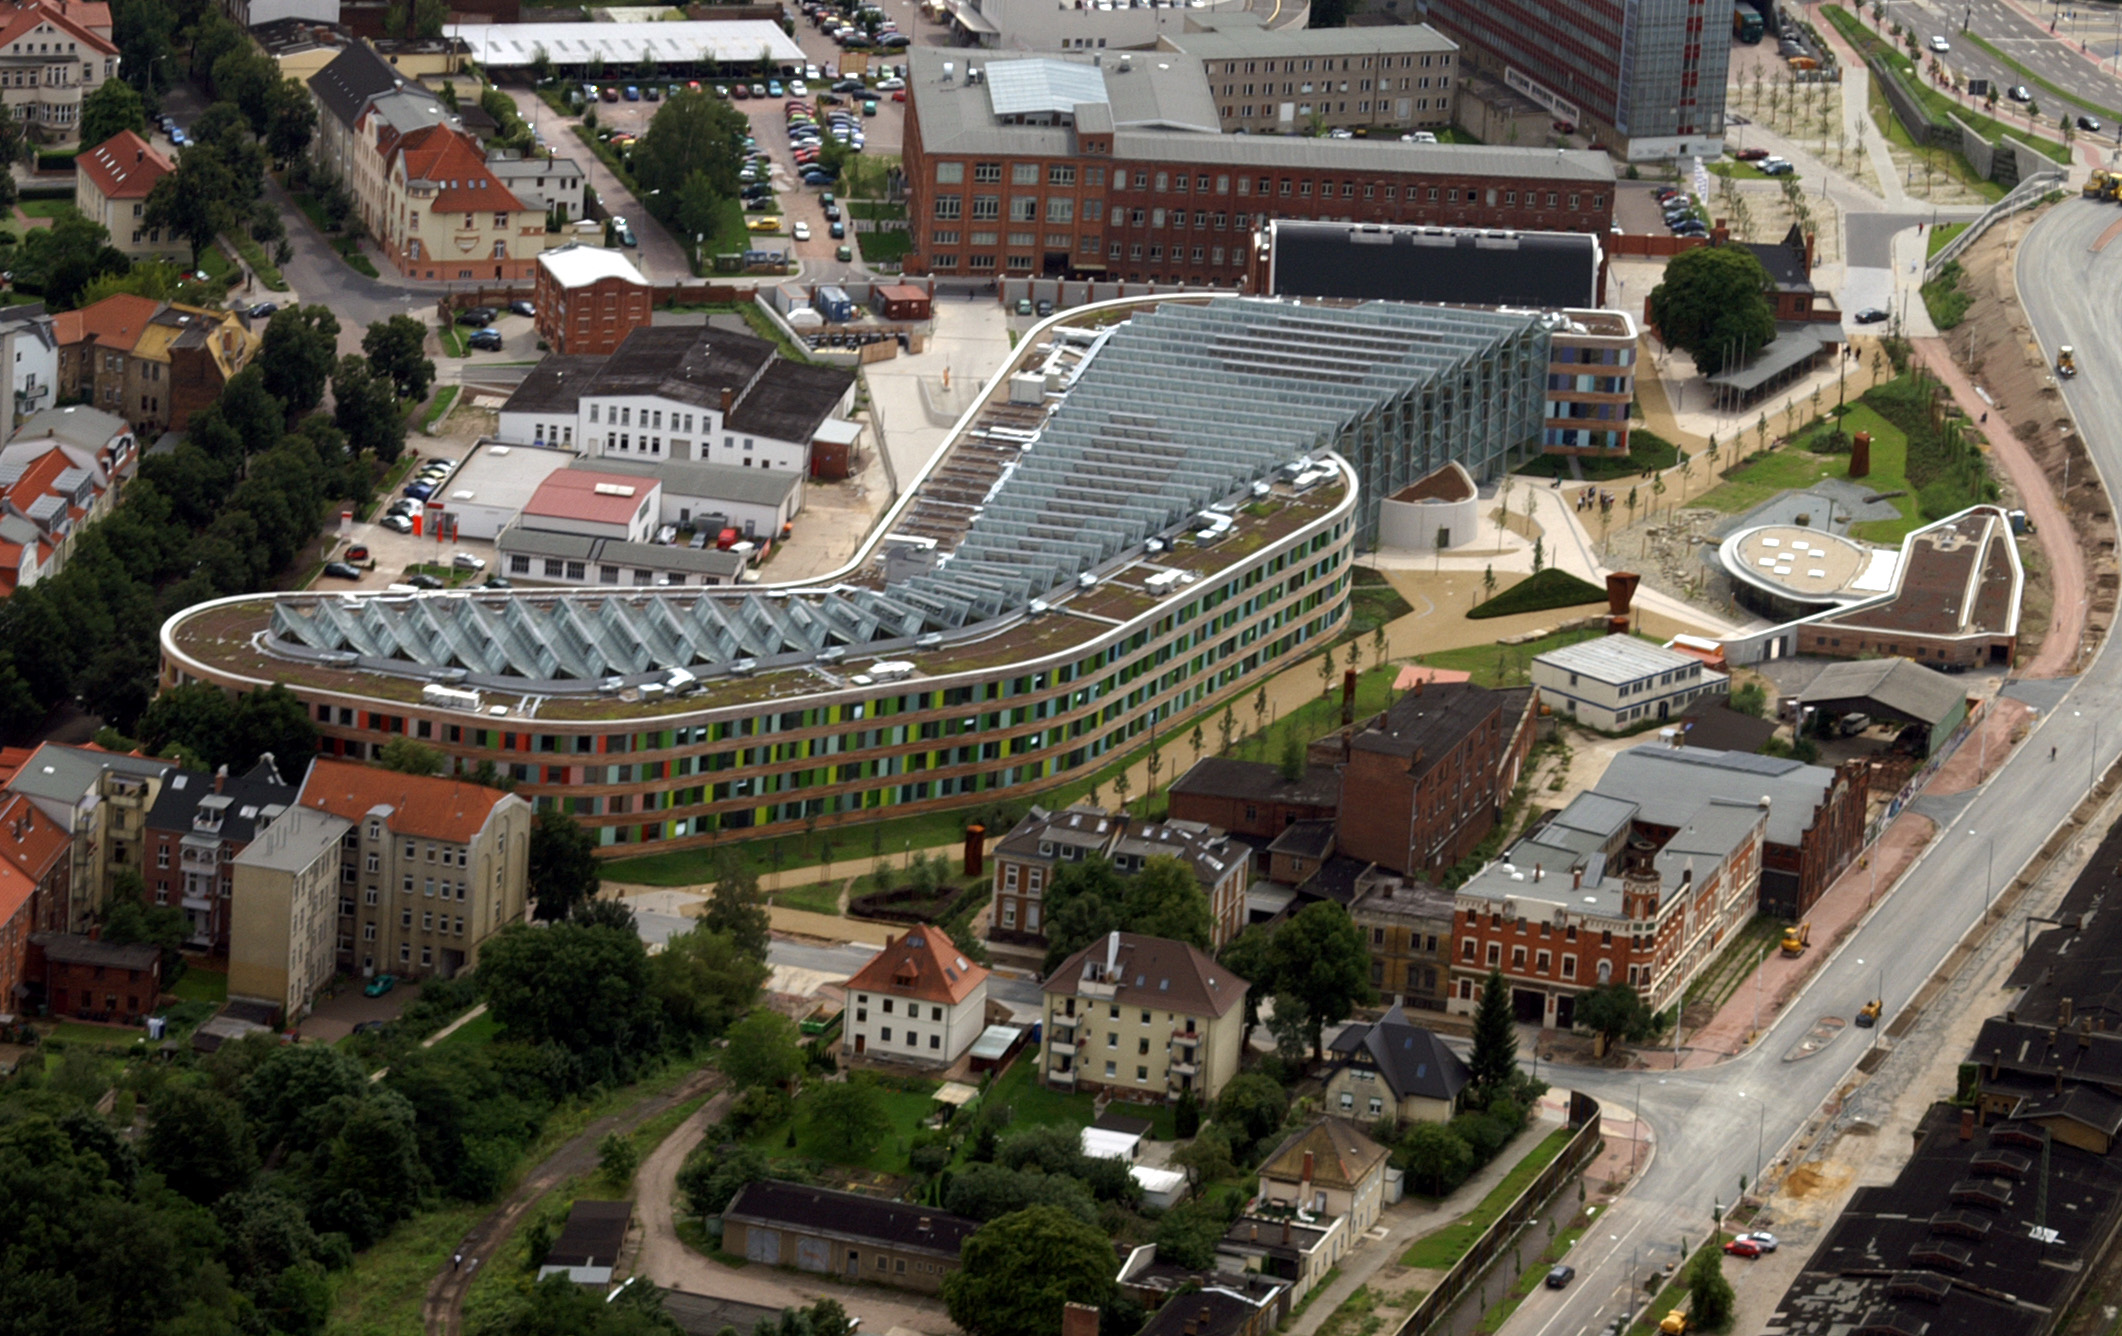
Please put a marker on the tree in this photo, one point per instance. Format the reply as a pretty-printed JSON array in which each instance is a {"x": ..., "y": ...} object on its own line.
[
  {"x": 60, "y": 260},
  {"x": 396, "y": 350},
  {"x": 563, "y": 866},
  {"x": 581, "y": 987},
  {"x": 196, "y": 201},
  {"x": 1188, "y": 1234},
  {"x": 617, "y": 1159},
  {"x": 1292, "y": 757},
  {"x": 984, "y": 1191},
  {"x": 291, "y": 120},
  {"x": 197, "y": 1140},
  {"x": 1253, "y": 1106},
  {"x": 693, "y": 132},
  {"x": 1290, "y": 1025},
  {"x": 846, "y": 1118},
  {"x": 765, "y": 1049},
  {"x": 408, "y": 757},
  {"x": 300, "y": 348},
  {"x": 1016, "y": 1273},
  {"x": 712, "y": 1176},
  {"x": 1713, "y": 304},
  {"x": 271, "y": 723},
  {"x": 737, "y": 907},
  {"x": 365, "y": 407},
  {"x": 1436, "y": 1157},
  {"x": 1165, "y": 899},
  {"x": 702, "y": 981},
  {"x": 1251, "y": 956},
  {"x": 1494, "y": 1060},
  {"x": 1206, "y": 1158},
  {"x": 1616, "y": 1011},
  {"x": 1321, "y": 959},
  {"x": 113, "y": 108},
  {"x": 1709, "y": 1295},
  {"x": 128, "y": 919}
]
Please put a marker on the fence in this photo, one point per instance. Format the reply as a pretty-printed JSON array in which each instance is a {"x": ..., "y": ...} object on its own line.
[
  {"x": 2029, "y": 192},
  {"x": 1470, "y": 1268}
]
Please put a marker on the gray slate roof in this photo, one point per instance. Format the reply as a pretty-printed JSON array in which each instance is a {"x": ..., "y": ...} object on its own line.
[
  {"x": 1668, "y": 783},
  {"x": 177, "y": 805},
  {"x": 1413, "y": 1061},
  {"x": 722, "y": 482},
  {"x": 1900, "y": 685},
  {"x": 345, "y": 85}
]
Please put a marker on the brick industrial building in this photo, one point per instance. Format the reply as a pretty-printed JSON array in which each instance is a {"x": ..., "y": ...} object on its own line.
[
  {"x": 589, "y": 300},
  {"x": 1114, "y": 167}
]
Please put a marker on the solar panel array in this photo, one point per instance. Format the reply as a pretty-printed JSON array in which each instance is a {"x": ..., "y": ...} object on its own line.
[{"x": 1183, "y": 407}]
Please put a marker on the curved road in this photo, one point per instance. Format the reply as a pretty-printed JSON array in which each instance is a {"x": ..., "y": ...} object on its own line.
[{"x": 1716, "y": 1124}]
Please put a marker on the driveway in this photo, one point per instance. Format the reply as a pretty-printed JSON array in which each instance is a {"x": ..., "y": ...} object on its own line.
[
  {"x": 660, "y": 258},
  {"x": 335, "y": 1018},
  {"x": 668, "y": 1262}
]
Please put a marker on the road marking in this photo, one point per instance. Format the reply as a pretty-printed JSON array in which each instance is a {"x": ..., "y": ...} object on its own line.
[{"x": 2109, "y": 235}]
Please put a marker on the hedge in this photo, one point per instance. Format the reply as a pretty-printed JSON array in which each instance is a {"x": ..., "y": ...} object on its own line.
[{"x": 1539, "y": 592}]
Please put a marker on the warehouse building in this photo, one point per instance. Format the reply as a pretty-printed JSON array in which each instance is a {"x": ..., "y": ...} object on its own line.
[{"x": 1179, "y": 519}]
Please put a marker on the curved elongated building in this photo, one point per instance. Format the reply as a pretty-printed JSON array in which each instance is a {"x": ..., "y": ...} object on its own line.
[{"x": 1153, "y": 503}]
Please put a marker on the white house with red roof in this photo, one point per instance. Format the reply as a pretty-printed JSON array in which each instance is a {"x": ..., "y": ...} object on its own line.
[
  {"x": 595, "y": 505},
  {"x": 112, "y": 182},
  {"x": 447, "y": 215},
  {"x": 51, "y": 57},
  {"x": 59, "y": 475},
  {"x": 918, "y": 1001}
]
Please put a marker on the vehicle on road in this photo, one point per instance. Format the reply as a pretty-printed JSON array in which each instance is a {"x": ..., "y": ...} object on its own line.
[
  {"x": 1868, "y": 1014},
  {"x": 262, "y": 311},
  {"x": 1940, "y": 45},
  {"x": 2020, "y": 93},
  {"x": 764, "y": 223},
  {"x": 380, "y": 985},
  {"x": 339, "y": 570},
  {"x": 1775, "y": 167},
  {"x": 2066, "y": 362},
  {"x": 484, "y": 341},
  {"x": 1742, "y": 1247},
  {"x": 2089, "y": 124},
  {"x": 801, "y": 231},
  {"x": 1870, "y": 315},
  {"x": 1560, "y": 1275},
  {"x": 497, "y": 582},
  {"x": 844, "y": 254},
  {"x": 523, "y": 308}
]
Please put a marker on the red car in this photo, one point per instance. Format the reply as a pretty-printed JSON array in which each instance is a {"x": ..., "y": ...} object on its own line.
[
  {"x": 1743, "y": 1247},
  {"x": 1750, "y": 154}
]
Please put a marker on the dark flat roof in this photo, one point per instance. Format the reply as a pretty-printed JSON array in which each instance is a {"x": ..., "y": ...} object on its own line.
[
  {"x": 555, "y": 385},
  {"x": 790, "y": 400},
  {"x": 2081, "y": 959},
  {"x": 594, "y": 1233},
  {"x": 849, "y": 1214},
  {"x": 73, "y": 948},
  {"x": 1431, "y": 721},
  {"x": 1215, "y": 777},
  {"x": 1374, "y": 262}
]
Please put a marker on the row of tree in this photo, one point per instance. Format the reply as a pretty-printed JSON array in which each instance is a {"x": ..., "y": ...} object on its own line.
[{"x": 225, "y": 512}]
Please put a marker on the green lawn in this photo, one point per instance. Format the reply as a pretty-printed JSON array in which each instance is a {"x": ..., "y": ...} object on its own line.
[
  {"x": 261, "y": 264},
  {"x": 477, "y": 1032},
  {"x": 1372, "y": 603},
  {"x": 1439, "y": 1251},
  {"x": 1795, "y": 468},
  {"x": 200, "y": 985},
  {"x": 1036, "y": 1104},
  {"x": 1374, "y": 691},
  {"x": 1541, "y": 592},
  {"x": 452, "y": 340},
  {"x": 1502, "y": 665},
  {"x": 905, "y": 1109},
  {"x": 54, "y": 209},
  {"x": 215, "y": 265},
  {"x": 820, "y": 897},
  {"x": 435, "y": 410},
  {"x": 884, "y": 247},
  {"x": 1941, "y": 236},
  {"x": 1646, "y": 450},
  {"x": 1741, "y": 171},
  {"x": 103, "y": 1036}
]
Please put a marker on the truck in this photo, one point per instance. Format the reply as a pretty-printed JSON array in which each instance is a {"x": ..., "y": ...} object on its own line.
[
  {"x": 1746, "y": 24},
  {"x": 2098, "y": 185},
  {"x": 2066, "y": 362},
  {"x": 1675, "y": 1323},
  {"x": 1796, "y": 937},
  {"x": 1868, "y": 1014}
]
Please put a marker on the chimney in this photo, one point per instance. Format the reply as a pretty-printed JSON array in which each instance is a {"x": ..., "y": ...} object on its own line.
[
  {"x": 1418, "y": 684},
  {"x": 1285, "y": 1231},
  {"x": 1576, "y": 879},
  {"x": 1305, "y": 1181},
  {"x": 1967, "y": 1124},
  {"x": 729, "y": 397},
  {"x": 220, "y": 779},
  {"x": 1538, "y": 873},
  {"x": 1996, "y": 1062},
  {"x": 1079, "y": 1320},
  {"x": 1809, "y": 239},
  {"x": 1203, "y": 1317},
  {"x": 1112, "y": 953},
  {"x": 1348, "y": 697},
  {"x": 1720, "y": 233},
  {"x": 1255, "y": 1236},
  {"x": 2063, "y": 1008}
]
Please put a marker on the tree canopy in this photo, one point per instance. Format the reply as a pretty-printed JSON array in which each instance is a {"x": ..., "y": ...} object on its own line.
[
  {"x": 1087, "y": 900},
  {"x": 1016, "y": 1273},
  {"x": 113, "y": 108},
  {"x": 1616, "y": 1011},
  {"x": 1321, "y": 960},
  {"x": 765, "y": 1049},
  {"x": 563, "y": 866},
  {"x": 396, "y": 350},
  {"x": 1714, "y": 304},
  {"x": 1494, "y": 1059},
  {"x": 691, "y": 133}
]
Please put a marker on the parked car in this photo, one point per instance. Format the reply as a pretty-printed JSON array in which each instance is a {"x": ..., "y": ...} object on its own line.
[
  {"x": 423, "y": 581},
  {"x": 1940, "y": 45},
  {"x": 1043, "y": 307},
  {"x": 722, "y": 91},
  {"x": 1763, "y": 1240},
  {"x": 1870, "y": 315},
  {"x": 764, "y": 223},
  {"x": 484, "y": 341},
  {"x": 396, "y": 523},
  {"x": 262, "y": 311},
  {"x": 523, "y": 308},
  {"x": 476, "y": 317},
  {"x": 380, "y": 985},
  {"x": 633, "y": 94},
  {"x": 740, "y": 92},
  {"x": 1560, "y": 1275},
  {"x": 801, "y": 231},
  {"x": 1750, "y": 154},
  {"x": 650, "y": 93},
  {"x": 799, "y": 88},
  {"x": 837, "y": 229},
  {"x": 357, "y": 552},
  {"x": 773, "y": 88},
  {"x": 1024, "y": 306},
  {"x": 496, "y": 582},
  {"x": 1743, "y": 1247},
  {"x": 420, "y": 489},
  {"x": 844, "y": 254},
  {"x": 465, "y": 561},
  {"x": 610, "y": 93},
  {"x": 890, "y": 85},
  {"x": 339, "y": 570}
]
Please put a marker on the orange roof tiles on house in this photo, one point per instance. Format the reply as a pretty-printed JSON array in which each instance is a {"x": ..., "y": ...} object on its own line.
[
  {"x": 30, "y": 842},
  {"x": 452, "y": 163},
  {"x": 17, "y": 22},
  {"x": 924, "y": 965},
  {"x": 115, "y": 322},
  {"x": 124, "y": 166},
  {"x": 11, "y": 760},
  {"x": 1415, "y": 673},
  {"x": 425, "y": 806}
]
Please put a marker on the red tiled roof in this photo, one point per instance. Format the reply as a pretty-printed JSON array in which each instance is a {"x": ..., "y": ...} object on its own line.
[
  {"x": 572, "y": 494},
  {"x": 37, "y": 479},
  {"x": 31, "y": 843},
  {"x": 449, "y": 160},
  {"x": 18, "y": 21},
  {"x": 11, "y": 760},
  {"x": 16, "y": 891},
  {"x": 124, "y": 166},
  {"x": 115, "y": 322},
  {"x": 425, "y": 806},
  {"x": 924, "y": 964}
]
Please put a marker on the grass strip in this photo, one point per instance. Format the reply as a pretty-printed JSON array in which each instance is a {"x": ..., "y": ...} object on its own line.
[{"x": 1442, "y": 1250}]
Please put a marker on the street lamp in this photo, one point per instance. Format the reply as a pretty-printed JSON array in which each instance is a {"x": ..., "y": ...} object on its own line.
[
  {"x": 1760, "y": 1137},
  {"x": 2092, "y": 760},
  {"x": 1989, "y": 868}
]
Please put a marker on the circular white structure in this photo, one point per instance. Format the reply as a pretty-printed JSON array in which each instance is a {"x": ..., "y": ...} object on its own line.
[{"x": 1793, "y": 569}]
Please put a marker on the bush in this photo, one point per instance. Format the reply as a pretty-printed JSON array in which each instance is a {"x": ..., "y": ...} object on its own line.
[
  {"x": 1550, "y": 588},
  {"x": 758, "y": 1108}
]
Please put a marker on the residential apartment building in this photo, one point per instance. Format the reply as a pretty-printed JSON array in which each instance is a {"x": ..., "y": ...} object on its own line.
[
  {"x": 431, "y": 869},
  {"x": 1026, "y": 859},
  {"x": 1434, "y": 769},
  {"x": 197, "y": 828},
  {"x": 917, "y": 1001},
  {"x": 1618, "y": 682},
  {"x": 1646, "y": 78},
  {"x": 680, "y": 393},
  {"x": 60, "y": 474},
  {"x": 552, "y": 186},
  {"x": 35, "y": 863},
  {"x": 446, "y": 215},
  {"x": 112, "y": 183},
  {"x": 589, "y": 299},
  {"x": 1142, "y": 1018},
  {"x": 1118, "y": 170},
  {"x": 1393, "y": 1069},
  {"x": 284, "y": 946},
  {"x": 1816, "y": 814},
  {"x": 152, "y": 363},
  {"x": 100, "y": 801},
  {"x": 1592, "y": 898},
  {"x": 844, "y": 1234},
  {"x": 1409, "y": 924},
  {"x": 1292, "y": 81},
  {"x": 29, "y": 356},
  {"x": 365, "y": 105},
  {"x": 52, "y": 57}
]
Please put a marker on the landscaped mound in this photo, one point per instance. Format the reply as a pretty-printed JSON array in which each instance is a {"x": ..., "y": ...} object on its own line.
[{"x": 1540, "y": 591}]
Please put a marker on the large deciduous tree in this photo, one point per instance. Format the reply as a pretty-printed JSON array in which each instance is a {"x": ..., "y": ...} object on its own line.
[
  {"x": 1017, "y": 1272},
  {"x": 563, "y": 866},
  {"x": 1616, "y": 1011},
  {"x": 691, "y": 133},
  {"x": 1322, "y": 961},
  {"x": 197, "y": 201},
  {"x": 300, "y": 349},
  {"x": 581, "y": 987},
  {"x": 397, "y": 349},
  {"x": 764, "y": 1049},
  {"x": 846, "y": 1117},
  {"x": 113, "y": 108},
  {"x": 1714, "y": 304}
]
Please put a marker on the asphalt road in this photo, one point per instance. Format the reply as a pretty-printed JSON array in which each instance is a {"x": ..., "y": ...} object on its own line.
[
  {"x": 1715, "y": 1125},
  {"x": 2055, "y": 58}
]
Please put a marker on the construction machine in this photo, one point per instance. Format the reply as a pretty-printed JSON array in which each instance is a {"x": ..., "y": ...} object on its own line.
[
  {"x": 1796, "y": 938},
  {"x": 1868, "y": 1014},
  {"x": 2099, "y": 185},
  {"x": 2066, "y": 362}
]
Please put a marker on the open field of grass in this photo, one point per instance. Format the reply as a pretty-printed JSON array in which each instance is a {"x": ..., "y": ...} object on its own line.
[{"x": 1794, "y": 467}]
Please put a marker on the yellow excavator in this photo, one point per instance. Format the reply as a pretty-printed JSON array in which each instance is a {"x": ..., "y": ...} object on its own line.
[
  {"x": 2099, "y": 185},
  {"x": 1796, "y": 938},
  {"x": 2066, "y": 362}
]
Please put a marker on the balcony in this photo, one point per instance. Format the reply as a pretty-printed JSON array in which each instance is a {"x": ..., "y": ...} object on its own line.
[
  {"x": 1064, "y": 1078},
  {"x": 1187, "y": 1037},
  {"x": 1063, "y": 1047},
  {"x": 1103, "y": 989},
  {"x": 1060, "y": 1020},
  {"x": 1184, "y": 1067}
]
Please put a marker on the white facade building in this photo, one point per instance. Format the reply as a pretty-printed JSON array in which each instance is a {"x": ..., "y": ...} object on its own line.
[
  {"x": 917, "y": 1001},
  {"x": 1619, "y": 682}
]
